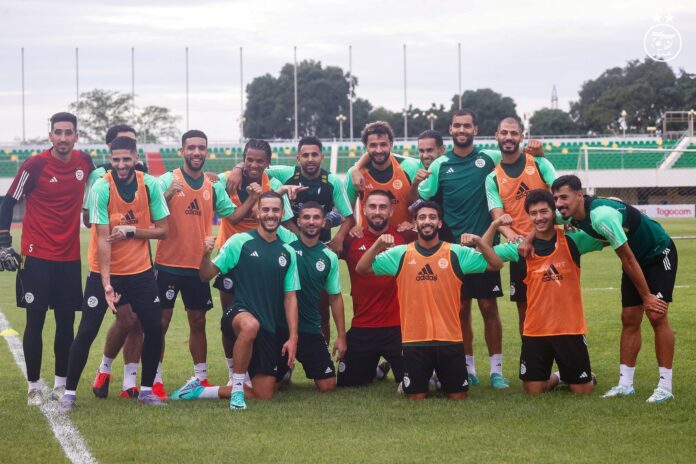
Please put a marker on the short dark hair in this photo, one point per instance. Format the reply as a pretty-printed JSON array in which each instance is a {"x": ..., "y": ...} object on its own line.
[
  {"x": 539, "y": 196},
  {"x": 114, "y": 130},
  {"x": 64, "y": 117},
  {"x": 310, "y": 205},
  {"x": 377, "y": 128},
  {"x": 193, "y": 133},
  {"x": 465, "y": 112},
  {"x": 377, "y": 192},
  {"x": 511, "y": 119},
  {"x": 573, "y": 182},
  {"x": 428, "y": 204},
  {"x": 432, "y": 134},
  {"x": 258, "y": 144},
  {"x": 124, "y": 143},
  {"x": 272, "y": 194},
  {"x": 309, "y": 140}
]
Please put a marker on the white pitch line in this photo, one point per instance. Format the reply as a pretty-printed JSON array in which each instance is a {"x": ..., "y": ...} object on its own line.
[
  {"x": 69, "y": 438},
  {"x": 607, "y": 289}
]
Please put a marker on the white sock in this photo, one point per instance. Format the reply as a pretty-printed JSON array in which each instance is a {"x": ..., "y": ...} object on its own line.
[
  {"x": 626, "y": 375},
  {"x": 665, "y": 379},
  {"x": 247, "y": 379},
  {"x": 158, "y": 375},
  {"x": 470, "y": 365},
  {"x": 60, "y": 381},
  {"x": 130, "y": 375},
  {"x": 105, "y": 366},
  {"x": 496, "y": 362},
  {"x": 144, "y": 389},
  {"x": 70, "y": 392},
  {"x": 210, "y": 393},
  {"x": 238, "y": 382},
  {"x": 35, "y": 385},
  {"x": 230, "y": 365},
  {"x": 200, "y": 370}
]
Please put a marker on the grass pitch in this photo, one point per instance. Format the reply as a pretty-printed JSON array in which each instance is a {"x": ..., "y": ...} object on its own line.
[{"x": 374, "y": 423}]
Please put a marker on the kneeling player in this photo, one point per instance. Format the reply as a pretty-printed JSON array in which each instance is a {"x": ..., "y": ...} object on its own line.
[{"x": 554, "y": 326}]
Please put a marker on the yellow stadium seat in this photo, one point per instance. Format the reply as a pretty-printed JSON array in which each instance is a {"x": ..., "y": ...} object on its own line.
[
  {"x": 548, "y": 147},
  {"x": 213, "y": 156},
  {"x": 351, "y": 154},
  {"x": 13, "y": 158},
  {"x": 605, "y": 143},
  {"x": 287, "y": 151},
  {"x": 614, "y": 146},
  {"x": 93, "y": 153},
  {"x": 405, "y": 153},
  {"x": 564, "y": 151},
  {"x": 557, "y": 144},
  {"x": 274, "y": 156},
  {"x": 228, "y": 152},
  {"x": 659, "y": 141}
]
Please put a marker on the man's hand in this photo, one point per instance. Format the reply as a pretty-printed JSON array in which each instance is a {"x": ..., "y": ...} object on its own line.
[
  {"x": 404, "y": 226},
  {"x": 654, "y": 304},
  {"x": 503, "y": 220},
  {"x": 470, "y": 240},
  {"x": 336, "y": 246},
  {"x": 119, "y": 233},
  {"x": 234, "y": 179},
  {"x": 9, "y": 258},
  {"x": 356, "y": 232},
  {"x": 208, "y": 244},
  {"x": 339, "y": 348},
  {"x": 111, "y": 297},
  {"x": 421, "y": 175},
  {"x": 358, "y": 180},
  {"x": 254, "y": 190},
  {"x": 385, "y": 241},
  {"x": 290, "y": 347},
  {"x": 535, "y": 148},
  {"x": 212, "y": 177},
  {"x": 291, "y": 190},
  {"x": 176, "y": 187}
]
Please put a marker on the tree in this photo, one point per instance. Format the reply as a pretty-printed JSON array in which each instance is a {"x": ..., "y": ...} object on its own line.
[
  {"x": 490, "y": 108},
  {"x": 547, "y": 121},
  {"x": 645, "y": 90},
  {"x": 156, "y": 124}
]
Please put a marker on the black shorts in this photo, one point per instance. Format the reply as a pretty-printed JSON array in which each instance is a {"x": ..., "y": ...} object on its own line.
[
  {"x": 196, "y": 294},
  {"x": 138, "y": 290},
  {"x": 224, "y": 283},
  {"x": 266, "y": 351},
  {"x": 518, "y": 289},
  {"x": 569, "y": 352},
  {"x": 448, "y": 362},
  {"x": 365, "y": 346},
  {"x": 660, "y": 275},
  {"x": 43, "y": 284},
  {"x": 483, "y": 285},
  {"x": 312, "y": 352}
]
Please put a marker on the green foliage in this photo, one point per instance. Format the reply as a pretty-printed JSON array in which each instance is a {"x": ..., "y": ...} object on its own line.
[
  {"x": 490, "y": 108},
  {"x": 547, "y": 121}
]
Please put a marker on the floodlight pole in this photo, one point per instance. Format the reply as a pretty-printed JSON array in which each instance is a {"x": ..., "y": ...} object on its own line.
[
  {"x": 24, "y": 121},
  {"x": 187, "y": 88},
  {"x": 459, "y": 54},
  {"x": 133, "y": 85},
  {"x": 77, "y": 76},
  {"x": 405, "y": 99},
  {"x": 350, "y": 92},
  {"x": 295, "y": 81},
  {"x": 241, "y": 94}
]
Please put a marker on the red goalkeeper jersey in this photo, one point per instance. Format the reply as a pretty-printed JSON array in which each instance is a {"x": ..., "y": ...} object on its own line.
[{"x": 53, "y": 190}]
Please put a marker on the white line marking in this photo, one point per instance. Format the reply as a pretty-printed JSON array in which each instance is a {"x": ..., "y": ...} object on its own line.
[
  {"x": 69, "y": 438},
  {"x": 607, "y": 289}
]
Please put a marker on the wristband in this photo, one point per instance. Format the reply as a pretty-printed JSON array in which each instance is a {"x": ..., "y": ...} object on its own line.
[{"x": 130, "y": 234}]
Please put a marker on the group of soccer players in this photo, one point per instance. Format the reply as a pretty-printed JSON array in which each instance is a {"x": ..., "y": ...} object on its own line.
[{"x": 422, "y": 244}]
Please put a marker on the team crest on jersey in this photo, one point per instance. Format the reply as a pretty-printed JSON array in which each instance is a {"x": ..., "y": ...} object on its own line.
[
  {"x": 480, "y": 162},
  {"x": 530, "y": 170},
  {"x": 397, "y": 184},
  {"x": 92, "y": 301},
  {"x": 443, "y": 263},
  {"x": 29, "y": 297},
  {"x": 282, "y": 260},
  {"x": 79, "y": 174},
  {"x": 227, "y": 283},
  {"x": 170, "y": 294},
  {"x": 523, "y": 368},
  {"x": 206, "y": 195},
  {"x": 321, "y": 266}
]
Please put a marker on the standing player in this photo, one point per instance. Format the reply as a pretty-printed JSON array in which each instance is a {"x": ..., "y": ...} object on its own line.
[
  {"x": 375, "y": 329},
  {"x": 124, "y": 204},
  {"x": 506, "y": 189},
  {"x": 649, "y": 261},
  {"x": 429, "y": 274},
  {"x": 49, "y": 273},
  {"x": 554, "y": 328},
  {"x": 430, "y": 147},
  {"x": 264, "y": 270}
]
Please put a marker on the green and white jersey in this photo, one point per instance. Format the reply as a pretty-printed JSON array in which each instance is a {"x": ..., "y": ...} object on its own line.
[
  {"x": 461, "y": 182},
  {"x": 317, "y": 267},
  {"x": 617, "y": 223},
  {"x": 275, "y": 185},
  {"x": 262, "y": 273},
  {"x": 409, "y": 165},
  {"x": 579, "y": 243},
  {"x": 544, "y": 166},
  {"x": 99, "y": 199},
  {"x": 91, "y": 179}
]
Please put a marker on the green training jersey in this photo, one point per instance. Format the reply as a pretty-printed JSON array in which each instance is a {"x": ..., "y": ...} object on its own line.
[
  {"x": 461, "y": 181},
  {"x": 544, "y": 166},
  {"x": 275, "y": 185},
  {"x": 99, "y": 199},
  {"x": 317, "y": 267},
  {"x": 91, "y": 179},
  {"x": 262, "y": 273}
]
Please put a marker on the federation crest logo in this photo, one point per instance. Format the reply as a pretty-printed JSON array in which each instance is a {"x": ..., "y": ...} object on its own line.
[
  {"x": 169, "y": 294},
  {"x": 530, "y": 170},
  {"x": 227, "y": 283},
  {"x": 480, "y": 162},
  {"x": 512, "y": 290},
  {"x": 92, "y": 301},
  {"x": 282, "y": 260},
  {"x": 397, "y": 184},
  {"x": 29, "y": 297},
  {"x": 321, "y": 266},
  {"x": 407, "y": 381},
  {"x": 79, "y": 174},
  {"x": 206, "y": 195},
  {"x": 523, "y": 368},
  {"x": 443, "y": 263},
  {"x": 341, "y": 367}
]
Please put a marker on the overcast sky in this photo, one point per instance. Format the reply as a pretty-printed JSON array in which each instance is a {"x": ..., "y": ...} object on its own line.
[{"x": 518, "y": 48}]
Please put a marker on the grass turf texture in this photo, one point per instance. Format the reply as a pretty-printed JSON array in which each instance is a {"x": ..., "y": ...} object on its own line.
[{"x": 375, "y": 423}]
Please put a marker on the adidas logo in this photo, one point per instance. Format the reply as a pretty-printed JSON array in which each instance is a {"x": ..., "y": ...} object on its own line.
[
  {"x": 328, "y": 370},
  {"x": 551, "y": 273},
  {"x": 299, "y": 252},
  {"x": 426, "y": 273},
  {"x": 449, "y": 171},
  {"x": 157, "y": 300},
  {"x": 362, "y": 248},
  {"x": 659, "y": 295},
  {"x": 129, "y": 218},
  {"x": 583, "y": 375},
  {"x": 193, "y": 208},
  {"x": 496, "y": 288},
  {"x": 413, "y": 261},
  {"x": 254, "y": 253},
  {"x": 53, "y": 180},
  {"x": 522, "y": 191}
]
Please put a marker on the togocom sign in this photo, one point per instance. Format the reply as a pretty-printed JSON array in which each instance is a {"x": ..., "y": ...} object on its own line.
[{"x": 668, "y": 211}]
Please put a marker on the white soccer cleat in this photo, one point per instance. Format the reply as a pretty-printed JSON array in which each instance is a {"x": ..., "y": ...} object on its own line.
[
  {"x": 660, "y": 395},
  {"x": 35, "y": 397},
  {"x": 619, "y": 390}
]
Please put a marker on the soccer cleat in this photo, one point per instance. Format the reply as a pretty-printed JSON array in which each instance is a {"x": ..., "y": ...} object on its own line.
[
  {"x": 205, "y": 383},
  {"x": 237, "y": 402},
  {"x": 150, "y": 399},
  {"x": 287, "y": 378},
  {"x": 57, "y": 393},
  {"x": 190, "y": 391},
  {"x": 400, "y": 388},
  {"x": 131, "y": 392},
  {"x": 619, "y": 390},
  {"x": 66, "y": 404},
  {"x": 383, "y": 369},
  {"x": 100, "y": 386},
  {"x": 35, "y": 397},
  {"x": 158, "y": 390},
  {"x": 435, "y": 382},
  {"x": 660, "y": 395},
  {"x": 499, "y": 382},
  {"x": 473, "y": 380}
]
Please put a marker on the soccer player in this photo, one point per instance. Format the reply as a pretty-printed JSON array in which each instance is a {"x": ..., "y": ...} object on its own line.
[
  {"x": 649, "y": 261},
  {"x": 375, "y": 328},
  {"x": 430, "y": 147},
  {"x": 124, "y": 203},
  {"x": 429, "y": 274},
  {"x": 192, "y": 200},
  {"x": 506, "y": 189},
  {"x": 264, "y": 270},
  {"x": 49, "y": 270},
  {"x": 554, "y": 329}
]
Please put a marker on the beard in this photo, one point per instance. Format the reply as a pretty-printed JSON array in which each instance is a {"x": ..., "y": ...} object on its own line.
[
  {"x": 268, "y": 228},
  {"x": 428, "y": 236},
  {"x": 515, "y": 149},
  {"x": 467, "y": 144},
  {"x": 376, "y": 226},
  {"x": 190, "y": 165}
]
